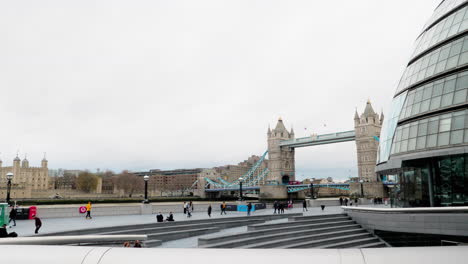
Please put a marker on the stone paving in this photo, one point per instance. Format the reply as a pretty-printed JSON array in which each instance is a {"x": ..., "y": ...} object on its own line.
[{"x": 26, "y": 227}]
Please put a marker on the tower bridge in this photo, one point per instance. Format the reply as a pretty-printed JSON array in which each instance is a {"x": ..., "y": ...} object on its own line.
[{"x": 272, "y": 176}]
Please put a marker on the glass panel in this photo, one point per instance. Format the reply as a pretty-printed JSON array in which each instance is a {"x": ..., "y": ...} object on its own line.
[
  {"x": 424, "y": 106},
  {"x": 460, "y": 97},
  {"x": 435, "y": 102},
  {"x": 446, "y": 100},
  {"x": 422, "y": 129},
  {"x": 431, "y": 141},
  {"x": 421, "y": 142},
  {"x": 413, "y": 131},
  {"x": 404, "y": 146},
  {"x": 444, "y": 125},
  {"x": 433, "y": 127},
  {"x": 456, "y": 137},
  {"x": 458, "y": 122},
  {"x": 443, "y": 139},
  {"x": 405, "y": 133},
  {"x": 412, "y": 144}
]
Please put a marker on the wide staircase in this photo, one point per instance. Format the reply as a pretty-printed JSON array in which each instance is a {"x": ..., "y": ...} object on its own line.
[
  {"x": 158, "y": 233},
  {"x": 319, "y": 231}
]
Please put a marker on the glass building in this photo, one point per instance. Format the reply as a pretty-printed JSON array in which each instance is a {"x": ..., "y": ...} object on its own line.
[{"x": 424, "y": 140}]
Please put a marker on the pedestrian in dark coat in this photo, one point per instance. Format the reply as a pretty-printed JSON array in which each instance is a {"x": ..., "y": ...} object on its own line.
[
  {"x": 13, "y": 215},
  {"x": 341, "y": 201},
  {"x": 275, "y": 206},
  {"x": 304, "y": 206},
  {"x": 38, "y": 223},
  {"x": 159, "y": 217},
  {"x": 209, "y": 210},
  {"x": 281, "y": 208},
  {"x": 249, "y": 208}
]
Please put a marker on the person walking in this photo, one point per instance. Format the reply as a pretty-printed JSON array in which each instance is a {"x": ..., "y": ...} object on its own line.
[
  {"x": 345, "y": 201},
  {"x": 341, "y": 201},
  {"x": 304, "y": 206},
  {"x": 185, "y": 207},
  {"x": 275, "y": 206},
  {"x": 13, "y": 215},
  {"x": 88, "y": 211},
  {"x": 189, "y": 211},
  {"x": 38, "y": 223},
  {"x": 223, "y": 208},
  {"x": 249, "y": 208},
  {"x": 281, "y": 208},
  {"x": 209, "y": 210},
  {"x": 191, "y": 206},
  {"x": 356, "y": 201}
]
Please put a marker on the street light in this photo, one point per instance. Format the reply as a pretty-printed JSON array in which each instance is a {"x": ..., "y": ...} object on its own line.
[
  {"x": 146, "y": 178},
  {"x": 312, "y": 191},
  {"x": 9, "y": 177},
  {"x": 362, "y": 188},
  {"x": 240, "y": 188}
]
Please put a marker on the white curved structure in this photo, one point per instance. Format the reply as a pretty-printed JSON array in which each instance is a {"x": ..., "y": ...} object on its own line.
[{"x": 105, "y": 255}]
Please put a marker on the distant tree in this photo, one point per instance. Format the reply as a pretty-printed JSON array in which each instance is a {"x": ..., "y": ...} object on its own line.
[
  {"x": 87, "y": 181},
  {"x": 129, "y": 183}
]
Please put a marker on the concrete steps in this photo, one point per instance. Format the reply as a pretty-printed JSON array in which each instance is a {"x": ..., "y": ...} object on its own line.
[
  {"x": 318, "y": 231},
  {"x": 187, "y": 226},
  {"x": 220, "y": 240},
  {"x": 304, "y": 241},
  {"x": 357, "y": 243},
  {"x": 310, "y": 224},
  {"x": 272, "y": 235},
  {"x": 167, "y": 231},
  {"x": 165, "y": 224},
  {"x": 311, "y": 217}
]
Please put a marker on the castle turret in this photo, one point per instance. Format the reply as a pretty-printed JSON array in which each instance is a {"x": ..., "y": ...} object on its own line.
[
  {"x": 25, "y": 163},
  {"x": 16, "y": 162},
  {"x": 44, "y": 162},
  {"x": 367, "y": 127},
  {"x": 356, "y": 118},
  {"x": 280, "y": 159},
  {"x": 381, "y": 118}
]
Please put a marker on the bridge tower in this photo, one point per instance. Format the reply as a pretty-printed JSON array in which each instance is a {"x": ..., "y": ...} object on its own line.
[
  {"x": 367, "y": 127},
  {"x": 281, "y": 163}
]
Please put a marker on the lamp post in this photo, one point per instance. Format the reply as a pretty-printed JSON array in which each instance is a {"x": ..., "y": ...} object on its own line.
[
  {"x": 146, "y": 178},
  {"x": 240, "y": 188},
  {"x": 9, "y": 177},
  {"x": 362, "y": 188},
  {"x": 312, "y": 191}
]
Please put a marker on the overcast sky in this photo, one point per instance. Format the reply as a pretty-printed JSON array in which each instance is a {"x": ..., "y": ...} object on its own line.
[{"x": 151, "y": 84}]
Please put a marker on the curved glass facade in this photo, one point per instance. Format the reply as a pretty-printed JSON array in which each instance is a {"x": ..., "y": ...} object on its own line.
[
  {"x": 424, "y": 141},
  {"x": 450, "y": 26}
]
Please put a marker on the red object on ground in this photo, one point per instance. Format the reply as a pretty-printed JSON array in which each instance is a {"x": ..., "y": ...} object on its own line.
[
  {"x": 82, "y": 209},
  {"x": 32, "y": 211}
]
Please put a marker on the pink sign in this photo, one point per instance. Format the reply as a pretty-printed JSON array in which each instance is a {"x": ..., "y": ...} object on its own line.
[{"x": 82, "y": 209}]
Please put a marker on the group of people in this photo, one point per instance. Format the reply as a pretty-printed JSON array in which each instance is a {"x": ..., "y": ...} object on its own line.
[
  {"x": 344, "y": 201},
  {"x": 136, "y": 244},
  {"x": 279, "y": 207},
  {"x": 188, "y": 208},
  {"x": 378, "y": 200},
  {"x": 160, "y": 217}
]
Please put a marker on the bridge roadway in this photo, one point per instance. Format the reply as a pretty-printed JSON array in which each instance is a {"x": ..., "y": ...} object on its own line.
[
  {"x": 315, "y": 140},
  {"x": 292, "y": 188}
]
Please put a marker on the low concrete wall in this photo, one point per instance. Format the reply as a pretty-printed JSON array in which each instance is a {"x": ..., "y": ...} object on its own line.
[
  {"x": 429, "y": 220},
  {"x": 60, "y": 211}
]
